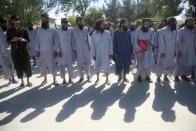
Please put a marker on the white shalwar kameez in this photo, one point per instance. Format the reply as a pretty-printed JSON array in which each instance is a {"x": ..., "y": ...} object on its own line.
[
  {"x": 6, "y": 59},
  {"x": 186, "y": 39},
  {"x": 32, "y": 37},
  {"x": 101, "y": 48},
  {"x": 66, "y": 48},
  {"x": 168, "y": 46},
  {"x": 82, "y": 48},
  {"x": 47, "y": 44},
  {"x": 145, "y": 60}
]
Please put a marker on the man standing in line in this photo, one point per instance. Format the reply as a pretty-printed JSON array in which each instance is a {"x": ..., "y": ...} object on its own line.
[
  {"x": 144, "y": 54},
  {"x": 5, "y": 52},
  {"x": 186, "y": 39},
  {"x": 123, "y": 49},
  {"x": 101, "y": 50},
  {"x": 81, "y": 49},
  {"x": 18, "y": 38},
  {"x": 32, "y": 37},
  {"x": 66, "y": 50},
  {"x": 167, "y": 49},
  {"x": 47, "y": 48}
]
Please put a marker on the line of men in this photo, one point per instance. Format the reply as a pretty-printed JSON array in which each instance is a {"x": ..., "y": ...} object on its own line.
[{"x": 175, "y": 50}]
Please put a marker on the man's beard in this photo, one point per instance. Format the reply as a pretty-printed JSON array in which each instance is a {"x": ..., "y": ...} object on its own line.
[
  {"x": 30, "y": 28},
  {"x": 81, "y": 26},
  {"x": 64, "y": 28},
  {"x": 45, "y": 25},
  {"x": 190, "y": 27},
  {"x": 173, "y": 27},
  {"x": 125, "y": 29},
  {"x": 132, "y": 29},
  {"x": 145, "y": 29},
  {"x": 107, "y": 28},
  {"x": 102, "y": 30},
  {"x": 4, "y": 28}
]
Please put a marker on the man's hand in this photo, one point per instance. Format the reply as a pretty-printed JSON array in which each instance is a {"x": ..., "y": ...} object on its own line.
[
  {"x": 115, "y": 55},
  {"x": 59, "y": 54},
  {"x": 110, "y": 57},
  {"x": 74, "y": 52},
  {"x": 148, "y": 43},
  {"x": 141, "y": 51},
  {"x": 94, "y": 58},
  {"x": 21, "y": 39},
  {"x": 195, "y": 28},
  {"x": 38, "y": 54},
  {"x": 55, "y": 54},
  {"x": 162, "y": 55},
  {"x": 180, "y": 54},
  {"x": 15, "y": 39}
]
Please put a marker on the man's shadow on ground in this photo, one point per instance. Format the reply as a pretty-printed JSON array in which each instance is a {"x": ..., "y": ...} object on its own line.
[
  {"x": 135, "y": 97},
  {"x": 186, "y": 94},
  {"x": 38, "y": 99},
  {"x": 164, "y": 101}
]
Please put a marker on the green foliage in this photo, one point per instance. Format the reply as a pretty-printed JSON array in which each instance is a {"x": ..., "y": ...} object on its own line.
[
  {"x": 191, "y": 11},
  {"x": 25, "y": 9},
  {"x": 92, "y": 15},
  {"x": 167, "y": 8},
  {"x": 111, "y": 10},
  {"x": 139, "y": 22},
  {"x": 128, "y": 10},
  {"x": 144, "y": 9},
  {"x": 72, "y": 20},
  {"x": 79, "y": 6}
]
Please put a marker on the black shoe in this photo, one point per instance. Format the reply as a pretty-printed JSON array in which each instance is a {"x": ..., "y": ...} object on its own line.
[
  {"x": 166, "y": 78},
  {"x": 148, "y": 79},
  {"x": 70, "y": 81},
  {"x": 185, "y": 78},
  {"x": 139, "y": 79},
  {"x": 22, "y": 85},
  {"x": 125, "y": 80},
  {"x": 64, "y": 82},
  {"x": 177, "y": 78},
  {"x": 81, "y": 79},
  {"x": 158, "y": 79},
  {"x": 55, "y": 83},
  {"x": 119, "y": 80}
]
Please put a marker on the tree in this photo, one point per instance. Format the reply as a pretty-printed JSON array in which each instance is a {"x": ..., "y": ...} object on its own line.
[
  {"x": 144, "y": 9},
  {"x": 191, "y": 11},
  {"x": 25, "y": 9},
  {"x": 92, "y": 15},
  {"x": 128, "y": 10},
  {"x": 79, "y": 6},
  {"x": 167, "y": 8},
  {"x": 111, "y": 10},
  {"x": 72, "y": 20}
]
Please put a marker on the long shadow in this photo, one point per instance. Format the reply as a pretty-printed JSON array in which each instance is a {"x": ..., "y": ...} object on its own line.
[
  {"x": 5, "y": 85},
  {"x": 15, "y": 105},
  {"x": 36, "y": 98},
  {"x": 135, "y": 97},
  {"x": 9, "y": 92},
  {"x": 186, "y": 94},
  {"x": 164, "y": 101},
  {"x": 78, "y": 101},
  {"x": 106, "y": 99}
]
